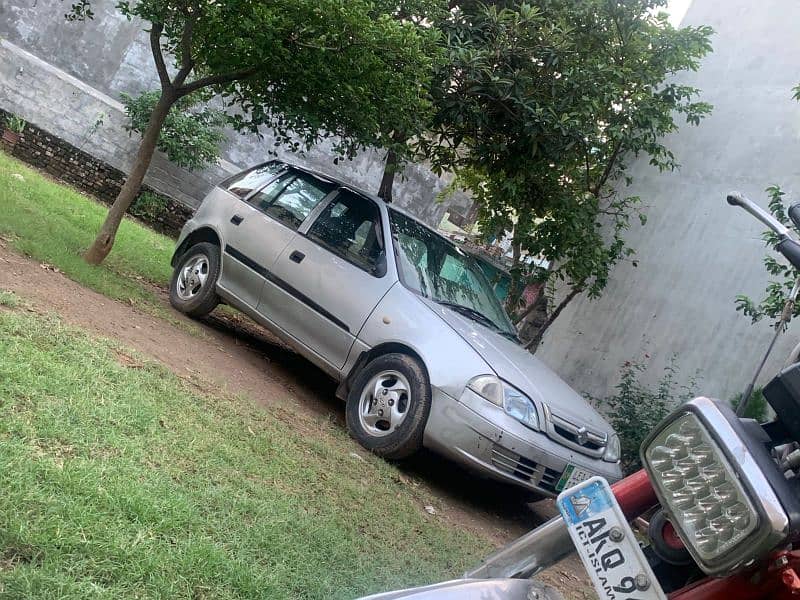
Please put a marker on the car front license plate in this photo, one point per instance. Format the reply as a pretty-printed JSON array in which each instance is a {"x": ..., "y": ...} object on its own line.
[
  {"x": 571, "y": 476},
  {"x": 606, "y": 544}
]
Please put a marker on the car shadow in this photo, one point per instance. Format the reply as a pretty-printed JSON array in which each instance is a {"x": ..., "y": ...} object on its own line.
[{"x": 448, "y": 480}]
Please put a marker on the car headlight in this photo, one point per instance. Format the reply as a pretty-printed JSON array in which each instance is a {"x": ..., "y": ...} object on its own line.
[
  {"x": 613, "y": 449},
  {"x": 515, "y": 403},
  {"x": 713, "y": 479}
]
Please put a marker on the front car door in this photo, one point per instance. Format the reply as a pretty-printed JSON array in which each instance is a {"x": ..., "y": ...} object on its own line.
[
  {"x": 331, "y": 276},
  {"x": 275, "y": 201}
]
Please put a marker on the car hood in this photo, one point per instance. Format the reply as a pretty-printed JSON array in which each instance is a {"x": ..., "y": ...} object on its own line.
[{"x": 512, "y": 363}]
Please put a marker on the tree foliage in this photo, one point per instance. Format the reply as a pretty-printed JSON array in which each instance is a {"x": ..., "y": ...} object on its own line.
[
  {"x": 541, "y": 108},
  {"x": 305, "y": 69},
  {"x": 190, "y": 136}
]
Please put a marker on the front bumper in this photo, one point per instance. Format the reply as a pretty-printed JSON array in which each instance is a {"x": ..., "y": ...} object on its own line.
[{"x": 482, "y": 437}]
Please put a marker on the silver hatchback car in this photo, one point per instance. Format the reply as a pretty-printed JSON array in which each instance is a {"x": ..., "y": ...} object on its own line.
[{"x": 405, "y": 321}]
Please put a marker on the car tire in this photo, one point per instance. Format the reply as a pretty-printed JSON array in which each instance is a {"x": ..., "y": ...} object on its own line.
[
  {"x": 388, "y": 406},
  {"x": 192, "y": 289}
]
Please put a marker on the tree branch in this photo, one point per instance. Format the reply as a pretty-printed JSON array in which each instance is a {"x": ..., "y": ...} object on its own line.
[
  {"x": 528, "y": 310},
  {"x": 553, "y": 316},
  {"x": 187, "y": 62},
  {"x": 158, "y": 56},
  {"x": 220, "y": 79},
  {"x": 586, "y": 159},
  {"x": 607, "y": 171}
]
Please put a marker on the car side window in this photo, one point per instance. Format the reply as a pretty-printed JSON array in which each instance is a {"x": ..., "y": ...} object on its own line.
[
  {"x": 291, "y": 197},
  {"x": 243, "y": 184},
  {"x": 350, "y": 226}
]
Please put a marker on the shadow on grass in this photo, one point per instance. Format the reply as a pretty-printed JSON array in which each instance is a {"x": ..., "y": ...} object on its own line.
[{"x": 448, "y": 480}]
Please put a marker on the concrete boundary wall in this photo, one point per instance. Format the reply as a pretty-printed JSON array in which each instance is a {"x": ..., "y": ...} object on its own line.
[
  {"x": 696, "y": 254},
  {"x": 73, "y": 73},
  {"x": 91, "y": 121}
]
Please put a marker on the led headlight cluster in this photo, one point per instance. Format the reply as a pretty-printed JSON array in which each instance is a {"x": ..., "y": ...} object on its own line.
[
  {"x": 700, "y": 487},
  {"x": 712, "y": 487}
]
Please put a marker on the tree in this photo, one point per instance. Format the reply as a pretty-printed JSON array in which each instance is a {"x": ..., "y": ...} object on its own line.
[
  {"x": 189, "y": 137},
  {"x": 538, "y": 111},
  {"x": 303, "y": 68}
]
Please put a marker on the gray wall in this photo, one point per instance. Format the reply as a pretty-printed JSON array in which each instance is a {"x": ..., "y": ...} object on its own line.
[
  {"x": 64, "y": 76},
  {"x": 696, "y": 254}
]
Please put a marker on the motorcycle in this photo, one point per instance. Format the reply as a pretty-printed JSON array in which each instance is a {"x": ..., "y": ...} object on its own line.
[{"x": 717, "y": 503}]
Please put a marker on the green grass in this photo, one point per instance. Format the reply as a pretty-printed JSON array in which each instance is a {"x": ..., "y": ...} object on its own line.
[
  {"x": 54, "y": 224},
  {"x": 8, "y": 299},
  {"x": 120, "y": 480}
]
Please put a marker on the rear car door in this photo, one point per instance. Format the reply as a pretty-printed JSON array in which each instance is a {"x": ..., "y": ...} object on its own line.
[
  {"x": 275, "y": 202},
  {"x": 330, "y": 277}
]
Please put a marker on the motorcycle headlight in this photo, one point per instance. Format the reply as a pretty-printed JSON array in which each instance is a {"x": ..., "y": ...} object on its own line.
[
  {"x": 515, "y": 403},
  {"x": 613, "y": 449},
  {"x": 713, "y": 481}
]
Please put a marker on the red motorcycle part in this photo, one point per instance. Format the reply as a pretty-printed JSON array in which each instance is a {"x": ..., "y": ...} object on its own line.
[
  {"x": 777, "y": 581},
  {"x": 671, "y": 537},
  {"x": 635, "y": 494}
]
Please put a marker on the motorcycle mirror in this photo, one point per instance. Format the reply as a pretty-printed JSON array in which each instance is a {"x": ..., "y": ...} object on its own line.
[{"x": 794, "y": 214}]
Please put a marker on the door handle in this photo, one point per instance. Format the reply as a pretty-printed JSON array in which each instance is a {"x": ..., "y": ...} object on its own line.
[
  {"x": 236, "y": 219},
  {"x": 297, "y": 257}
]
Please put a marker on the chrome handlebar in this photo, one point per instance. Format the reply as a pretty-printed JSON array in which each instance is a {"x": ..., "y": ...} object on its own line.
[{"x": 739, "y": 199}]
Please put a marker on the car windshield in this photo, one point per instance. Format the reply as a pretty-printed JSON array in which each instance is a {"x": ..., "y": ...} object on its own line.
[{"x": 437, "y": 269}]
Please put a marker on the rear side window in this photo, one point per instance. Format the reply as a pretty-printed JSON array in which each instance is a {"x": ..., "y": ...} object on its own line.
[
  {"x": 350, "y": 226},
  {"x": 291, "y": 197},
  {"x": 243, "y": 184}
]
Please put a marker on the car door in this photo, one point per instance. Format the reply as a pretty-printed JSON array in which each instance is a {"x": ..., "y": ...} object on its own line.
[
  {"x": 331, "y": 277},
  {"x": 259, "y": 228}
]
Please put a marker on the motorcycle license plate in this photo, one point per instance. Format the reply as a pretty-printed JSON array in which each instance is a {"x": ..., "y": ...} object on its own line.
[{"x": 606, "y": 544}]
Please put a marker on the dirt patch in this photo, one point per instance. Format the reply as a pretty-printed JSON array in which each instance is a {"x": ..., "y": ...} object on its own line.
[
  {"x": 18, "y": 554},
  {"x": 234, "y": 354}
]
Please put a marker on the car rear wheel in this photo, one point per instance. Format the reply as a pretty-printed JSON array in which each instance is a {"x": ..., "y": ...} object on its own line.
[
  {"x": 388, "y": 406},
  {"x": 193, "y": 287}
]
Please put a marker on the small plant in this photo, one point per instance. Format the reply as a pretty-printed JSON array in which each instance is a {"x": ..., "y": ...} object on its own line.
[
  {"x": 8, "y": 299},
  {"x": 149, "y": 206},
  {"x": 757, "y": 407},
  {"x": 190, "y": 136},
  {"x": 636, "y": 408},
  {"x": 16, "y": 124}
]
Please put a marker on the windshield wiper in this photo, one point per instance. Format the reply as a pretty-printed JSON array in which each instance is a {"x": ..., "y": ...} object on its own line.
[
  {"x": 511, "y": 336},
  {"x": 473, "y": 314},
  {"x": 480, "y": 317}
]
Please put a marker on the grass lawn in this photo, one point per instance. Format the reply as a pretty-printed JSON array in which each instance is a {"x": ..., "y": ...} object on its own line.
[
  {"x": 54, "y": 224},
  {"x": 120, "y": 480}
]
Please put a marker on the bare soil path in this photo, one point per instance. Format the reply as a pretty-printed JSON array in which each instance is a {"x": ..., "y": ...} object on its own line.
[{"x": 231, "y": 352}]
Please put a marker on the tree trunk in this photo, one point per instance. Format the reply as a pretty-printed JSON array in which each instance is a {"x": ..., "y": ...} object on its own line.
[
  {"x": 389, "y": 170},
  {"x": 515, "y": 289},
  {"x": 104, "y": 241},
  {"x": 534, "y": 342}
]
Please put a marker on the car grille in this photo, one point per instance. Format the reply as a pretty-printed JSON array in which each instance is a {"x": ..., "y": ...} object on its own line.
[
  {"x": 524, "y": 469},
  {"x": 550, "y": 479},
  {"x": 575, "y": 436}
]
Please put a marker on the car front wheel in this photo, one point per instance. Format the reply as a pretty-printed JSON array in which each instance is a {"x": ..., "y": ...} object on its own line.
[
  {"x": 193, "y": 287},
  {"x": 388, "y": 406}
]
